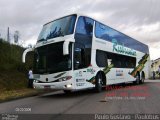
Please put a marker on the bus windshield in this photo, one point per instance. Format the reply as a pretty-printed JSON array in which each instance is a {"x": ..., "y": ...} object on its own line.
[
  {"x": 50, "y": 59},
  {"x": 60, "y": 27}
]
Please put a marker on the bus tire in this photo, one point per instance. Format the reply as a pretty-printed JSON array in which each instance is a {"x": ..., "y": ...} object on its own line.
[
  {"x": 137, "y": 82},
  {"x": 99, "y": 83},
  {"x": 142, "y": 78},
  {"x": 67, "y": 91}
]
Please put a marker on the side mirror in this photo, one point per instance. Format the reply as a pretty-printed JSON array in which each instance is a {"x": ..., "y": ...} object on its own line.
[
  {"x": 25, "y": 53},
  {"x": 66, "y": 48}
]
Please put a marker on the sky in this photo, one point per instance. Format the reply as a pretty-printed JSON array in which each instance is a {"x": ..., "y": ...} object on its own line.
[{"x": 139, "y": 19}]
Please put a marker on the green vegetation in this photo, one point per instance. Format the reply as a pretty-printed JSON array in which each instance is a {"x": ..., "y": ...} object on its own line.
[
  {"x": 13, "y": 73},
  {"x": 14, "y": 94}
]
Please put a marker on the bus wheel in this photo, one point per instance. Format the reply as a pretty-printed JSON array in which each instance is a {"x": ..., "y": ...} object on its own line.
[
  {"x": 67, "y": 91},
  {"x": 99, "y": 82},
  {"x": 137, "y": 79}
]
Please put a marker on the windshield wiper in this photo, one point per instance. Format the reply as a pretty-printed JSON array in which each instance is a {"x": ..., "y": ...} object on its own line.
[{"x": 41, "y": 40}]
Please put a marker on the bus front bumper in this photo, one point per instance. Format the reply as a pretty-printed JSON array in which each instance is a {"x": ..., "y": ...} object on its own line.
[{"x": 65, "y": 85}]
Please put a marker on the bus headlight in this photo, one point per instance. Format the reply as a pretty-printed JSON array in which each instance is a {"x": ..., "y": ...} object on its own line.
[
  {"x": 69, "y": 85},
  {"x": 36, "y": 81}
]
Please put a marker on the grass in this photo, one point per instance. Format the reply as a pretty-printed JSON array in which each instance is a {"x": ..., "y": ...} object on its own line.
[
  {"x": 12, "y": 80},
  {"x": 13, "y": 94},
  {"x": 13, "y": 73}
]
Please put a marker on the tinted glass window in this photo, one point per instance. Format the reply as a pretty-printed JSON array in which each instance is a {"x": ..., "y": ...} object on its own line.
[
  {"x": 82, "y": 56},
  {"x": 106, "y": 33},
  {"x": 83, "y": 42},
  {"x": 101, "y": 58},
  {"x": 79, "y": 56},
  {"x": 50, "y": 59},
  {"x": 85, "y": 26},
  {"x": 60, "y": 27},
  {"x": 84, "y": 31},
  {"x": 119, "y": 61}
]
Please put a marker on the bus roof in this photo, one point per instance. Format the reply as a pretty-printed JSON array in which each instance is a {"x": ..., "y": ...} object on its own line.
[{"x": 80, "y": 14}]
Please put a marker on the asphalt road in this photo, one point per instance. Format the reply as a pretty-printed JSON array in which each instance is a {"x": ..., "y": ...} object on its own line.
[{"x": 128, "y": 99}]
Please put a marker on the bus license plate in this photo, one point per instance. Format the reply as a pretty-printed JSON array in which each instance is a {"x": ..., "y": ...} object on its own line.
[{"x": 47, "y": 87}]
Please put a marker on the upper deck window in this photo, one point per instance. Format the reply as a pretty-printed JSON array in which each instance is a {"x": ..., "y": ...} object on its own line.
[
  {"x": 109, "y": 34},
  {"x": 85, "y": 26},
  {"x": 60, "y": 27}
]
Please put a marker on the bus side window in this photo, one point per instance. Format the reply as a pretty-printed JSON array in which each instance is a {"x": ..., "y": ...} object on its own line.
[
  {"x": 83, "y": 36},
  {"x": 79, "y": 56},
  {"x": 84, "y": 31},
  {"x": 101, "y": 58},
  {"x": 84, "y": 26}
]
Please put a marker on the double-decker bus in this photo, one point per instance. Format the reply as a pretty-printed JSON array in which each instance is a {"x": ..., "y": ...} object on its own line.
[{"x": 77, "y": 52}]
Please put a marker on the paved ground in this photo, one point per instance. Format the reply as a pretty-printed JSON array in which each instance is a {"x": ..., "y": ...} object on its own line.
[{"x": 128, "y": 99}]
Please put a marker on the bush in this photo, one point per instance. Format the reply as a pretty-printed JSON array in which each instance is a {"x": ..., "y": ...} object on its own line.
[{"x": 12, "y": 70}]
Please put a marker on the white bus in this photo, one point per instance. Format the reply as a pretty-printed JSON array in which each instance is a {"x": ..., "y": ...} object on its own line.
[{"x": 76, "y": 52}]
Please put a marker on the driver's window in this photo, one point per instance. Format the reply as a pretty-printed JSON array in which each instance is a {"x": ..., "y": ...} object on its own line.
[{"x": 79, "y": 56}]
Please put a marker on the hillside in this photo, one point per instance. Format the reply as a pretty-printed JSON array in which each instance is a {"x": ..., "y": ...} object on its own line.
[{"x": 13, "y": 73}]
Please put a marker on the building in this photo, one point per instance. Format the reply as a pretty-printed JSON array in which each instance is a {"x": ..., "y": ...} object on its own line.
[{"x": 155, "y": 65}]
